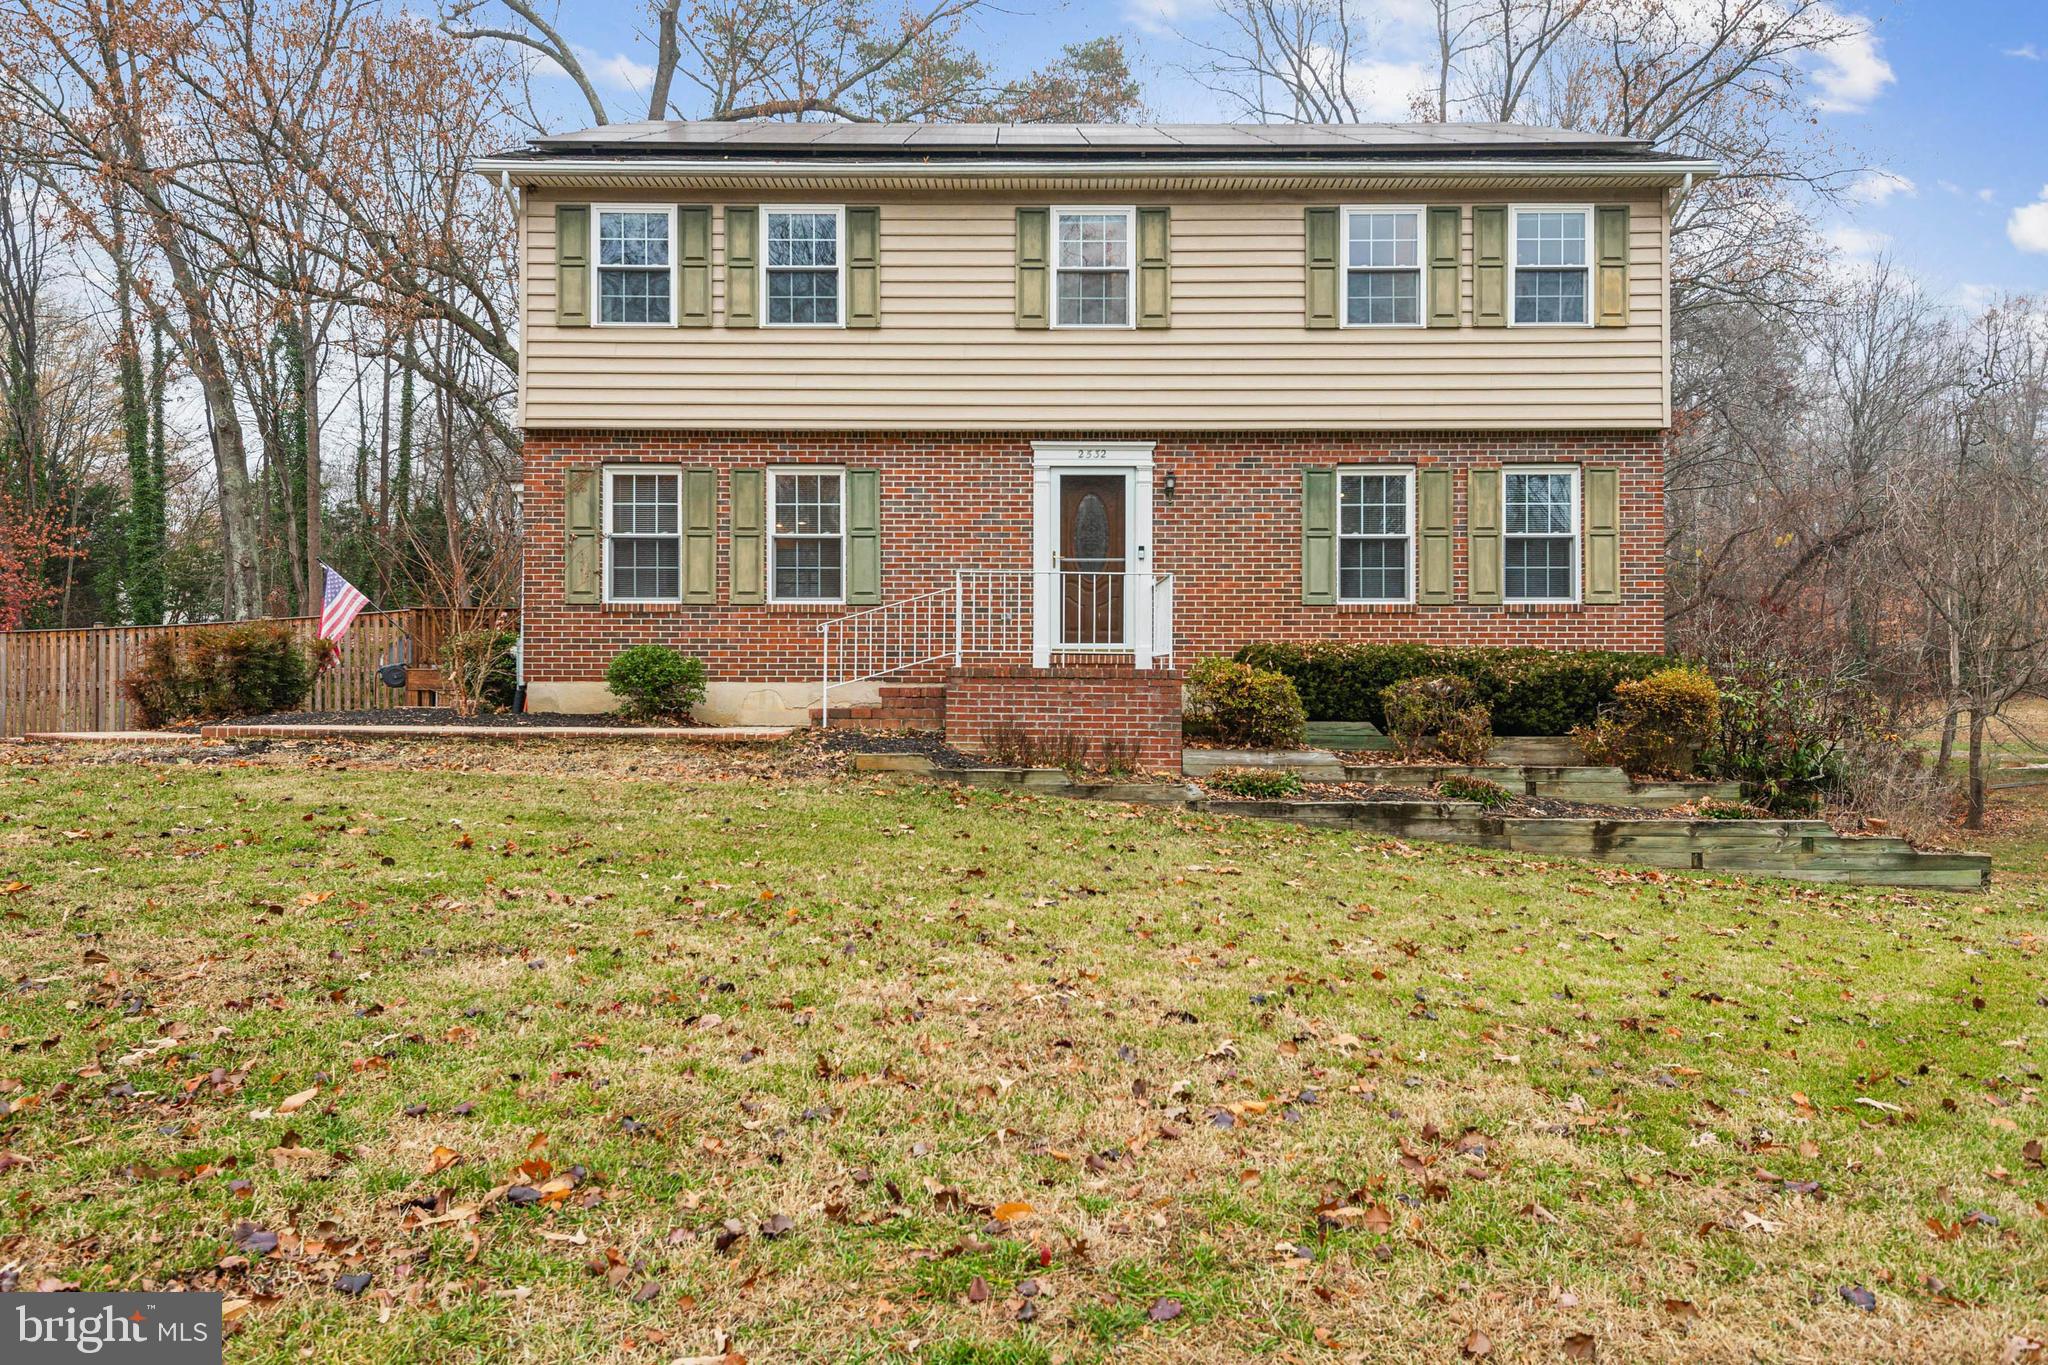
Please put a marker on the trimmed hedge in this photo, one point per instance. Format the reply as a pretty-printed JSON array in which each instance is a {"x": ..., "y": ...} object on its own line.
[{"x": 1529, "y": 691}]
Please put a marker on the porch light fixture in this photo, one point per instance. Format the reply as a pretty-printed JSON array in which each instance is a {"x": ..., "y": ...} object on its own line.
[{"x": 1171, "y": 486}]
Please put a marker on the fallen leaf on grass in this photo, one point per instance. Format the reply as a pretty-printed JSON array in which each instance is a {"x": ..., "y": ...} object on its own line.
[
  {"x": 293, "y": 1103},
  {"x": 1477, "y": 1345},
  {"x": 442, "y": 1159}
]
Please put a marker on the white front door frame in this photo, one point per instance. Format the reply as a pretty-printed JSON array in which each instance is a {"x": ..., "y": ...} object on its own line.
[{"x": 1132, "y": 459}]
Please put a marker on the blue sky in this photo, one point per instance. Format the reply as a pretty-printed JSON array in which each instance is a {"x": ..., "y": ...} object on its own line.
[{"x": 1946, "y": 103}]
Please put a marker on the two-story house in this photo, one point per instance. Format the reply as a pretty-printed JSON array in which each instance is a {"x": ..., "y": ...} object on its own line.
[{"x": 1034, "y": 413}]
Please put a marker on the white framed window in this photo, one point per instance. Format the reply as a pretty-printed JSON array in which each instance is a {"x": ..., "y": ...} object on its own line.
[
  {"x": 1382, "y": 267},
  {"x": 807, "y": 534},
  {"x": 803, "y": 266},
  {"x": 635, "y": 265},
  {"x": 1093, "y": 266},
  {"x": 1540, "y": 535},
  {"x": 1376, "y": 535},
  {"x": 643, "y": 534},
  {"x": 1550, "y": 284}
]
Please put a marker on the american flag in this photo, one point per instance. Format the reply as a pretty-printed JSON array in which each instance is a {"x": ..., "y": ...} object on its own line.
[{"x": 340, "y": 603}]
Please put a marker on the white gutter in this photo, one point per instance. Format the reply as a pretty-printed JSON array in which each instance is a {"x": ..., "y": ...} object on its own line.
[{"x": 830, "y": 167}]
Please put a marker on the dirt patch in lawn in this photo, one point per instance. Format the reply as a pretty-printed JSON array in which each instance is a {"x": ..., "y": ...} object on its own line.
[{"x": 444, "y": 715}]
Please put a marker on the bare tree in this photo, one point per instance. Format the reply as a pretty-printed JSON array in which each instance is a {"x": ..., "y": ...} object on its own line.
[{"x": 858, "y": 60}]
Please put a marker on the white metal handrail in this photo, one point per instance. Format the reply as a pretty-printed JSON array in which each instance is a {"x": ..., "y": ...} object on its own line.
[
  {"x": 886, "y": 639},
  {"x": 1001, "y": 614}
]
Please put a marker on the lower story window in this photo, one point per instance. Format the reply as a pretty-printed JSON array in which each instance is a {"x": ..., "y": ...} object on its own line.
[
  {"x": 644, "y": 537},
  {"x": 807, "y": 553},
  {"x": 1375, "y": 525},
  {"x": 1541, "y": 542}
]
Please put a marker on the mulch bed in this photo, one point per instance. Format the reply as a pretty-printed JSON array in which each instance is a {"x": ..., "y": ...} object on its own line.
[{"x": 442, "y": 715}]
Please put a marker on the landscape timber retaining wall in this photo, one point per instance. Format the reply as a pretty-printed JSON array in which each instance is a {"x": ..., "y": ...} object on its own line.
[
  {"x": 1801, "y": 850},
  {"x": 1607, "y": 786}
]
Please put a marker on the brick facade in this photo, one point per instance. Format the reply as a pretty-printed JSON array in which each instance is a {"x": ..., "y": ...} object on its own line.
[
  {"x": 1120, "y": 717},
  {"x": 1230, "y": 533}
]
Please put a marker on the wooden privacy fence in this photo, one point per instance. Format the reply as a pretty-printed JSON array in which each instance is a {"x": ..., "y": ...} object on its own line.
[{"x": 71, "y": 679}]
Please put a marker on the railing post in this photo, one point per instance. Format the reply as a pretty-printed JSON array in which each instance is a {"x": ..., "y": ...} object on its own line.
[{"x": 959, "y": 616}]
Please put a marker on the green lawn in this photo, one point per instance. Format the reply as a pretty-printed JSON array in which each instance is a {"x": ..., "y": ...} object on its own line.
[{"x": 605, "y": 1054}]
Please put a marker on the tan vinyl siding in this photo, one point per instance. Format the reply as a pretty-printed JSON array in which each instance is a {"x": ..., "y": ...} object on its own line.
[{"x": 948, "y": 354}]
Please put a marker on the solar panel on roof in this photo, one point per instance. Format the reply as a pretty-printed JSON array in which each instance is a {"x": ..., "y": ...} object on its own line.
[{"x": 1222, "y": 138}]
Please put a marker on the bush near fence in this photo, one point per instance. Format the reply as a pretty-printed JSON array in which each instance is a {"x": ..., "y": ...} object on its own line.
[
  {"x": 71, "y": 679},
  {"x": 1529, "y": 691}
]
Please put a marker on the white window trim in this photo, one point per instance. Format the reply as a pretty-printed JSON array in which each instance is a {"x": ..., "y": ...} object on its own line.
[
  {"x": 838, "y": 212},
  {"x": 1407, "y": 473},
  {"x": 604, "y": 515},
  {"x": 1420, "y": 266},
  {"x": 597, "y": 213},
  {"x": 1515, "y": 212},
  {"x": 1576, "y": 538},
  {"x": 1052, "y": 302},
  {"x": 770, "y": 537}
]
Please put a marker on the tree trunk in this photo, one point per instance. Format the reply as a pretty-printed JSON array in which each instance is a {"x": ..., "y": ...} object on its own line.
[
  {"x": 309, "y": 402},
  {"x": 1979, "y": 722}
]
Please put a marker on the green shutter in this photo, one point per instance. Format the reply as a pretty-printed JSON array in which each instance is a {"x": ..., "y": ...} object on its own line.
[
  {"x": 693, "y": 265},
  {"x": 1319, "y": 536},
  {"x": 1034, "y": 267},
  {"x": 572, "y": 265},
  {"x": 749, "y": 555},
  {"x": 1610, "y": 234},
  {"x": 863, "y": 537},
  {"x": 1320, "y": 226},
  {"x": 1603, "y": 534},
  {"x": 1155, "y": 271},
  {"x": 1490, "y": 266},
  {"x": 1444, "y": 227},
  {"x": 700, "y": 535},
  {"x": 1482, "y": 536},
  {"x": 1433, "y": 536},
  {"x": 742, "y": 277},
  {"x": 864, "y": 267},
  {"x": 582, "y": 547}
]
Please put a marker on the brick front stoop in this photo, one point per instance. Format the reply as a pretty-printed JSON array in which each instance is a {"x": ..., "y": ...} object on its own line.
[{"x": 903, "y": 706}]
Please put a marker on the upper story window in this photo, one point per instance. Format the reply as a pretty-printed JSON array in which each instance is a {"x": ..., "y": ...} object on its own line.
[
  {"x": 634, "y": 280},
  {"x": 1382, "y": 267},
  {"x": 1375, "y": 534},
  {"x": 643, "y": 535},
  {"x": 1540, "y": 543},
  {"x": 805, "y": 266},
  {"x": 807, "y": 550},
  {"x": 1551, "y": 279},
  {"x": 1092, "y": 267}
]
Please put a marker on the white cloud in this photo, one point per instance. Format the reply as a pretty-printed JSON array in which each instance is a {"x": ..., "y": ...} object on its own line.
[
  {"x": 618, "y": 70},
  {"x": 1385, "y": 90},
  {"x": 1857, "y": 243},
  {"x": 2028, "y": 226},
  {"x": 1878, "y": 185},
  {"x": 1948, "y": 187},
  {"x": 1975, "y": 298},
  {"x": 1853, "y": 72},
  {"x": 2027, "y": 52},
  {"x": 1165, "y": 16},
  {"x": 1987, "y": 194}
]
